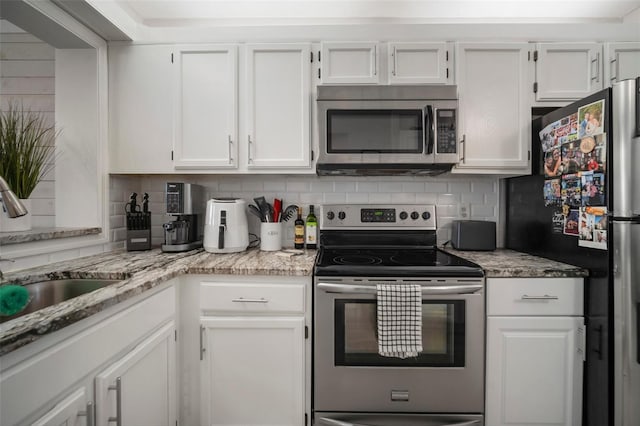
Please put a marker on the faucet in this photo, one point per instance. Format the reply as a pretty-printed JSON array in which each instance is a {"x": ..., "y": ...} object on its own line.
[{"x": 12, "y": 204}]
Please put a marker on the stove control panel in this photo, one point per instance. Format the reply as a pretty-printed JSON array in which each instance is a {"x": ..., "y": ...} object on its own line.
[{"x": 350, "y": 216}]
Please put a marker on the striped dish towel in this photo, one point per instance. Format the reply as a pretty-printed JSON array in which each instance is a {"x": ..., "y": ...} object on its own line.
[{"x": 399, "y": 320}]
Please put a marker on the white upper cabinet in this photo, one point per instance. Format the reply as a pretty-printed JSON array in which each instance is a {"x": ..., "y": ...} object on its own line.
[
  {"x": 419, "y": 63},
  {"x": 494, "y": 107},
  {"x": 206, "y": 113},
  {"x": 140, "y": 109},
  {"x": 349, "y": 63},
  {"x": 623, "y": 60},
  {"x": 278, "y": 105},
  {"x": 567, "y": 71}
]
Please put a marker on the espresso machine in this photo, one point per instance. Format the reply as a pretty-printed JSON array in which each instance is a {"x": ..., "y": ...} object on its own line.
[{"x": 185, "y": 201}]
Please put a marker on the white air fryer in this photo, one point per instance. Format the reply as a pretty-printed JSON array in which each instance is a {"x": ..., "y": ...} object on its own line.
[{"x": 225, "y": 226}]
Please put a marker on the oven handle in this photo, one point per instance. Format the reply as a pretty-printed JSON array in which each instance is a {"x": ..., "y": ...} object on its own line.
[
  {"x": 334, "y": 422},
  {"x": 426, "y": 290}
]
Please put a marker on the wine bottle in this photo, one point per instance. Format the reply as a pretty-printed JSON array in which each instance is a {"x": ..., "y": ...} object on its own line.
[
  {"x": 311, "y": 229},
  {"x": 298, "y": 240}
]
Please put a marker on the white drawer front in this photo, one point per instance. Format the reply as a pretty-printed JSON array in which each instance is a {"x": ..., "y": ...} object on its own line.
[
  {"x": 252, "y": 297},
  {"x": 535, "y": 296}
]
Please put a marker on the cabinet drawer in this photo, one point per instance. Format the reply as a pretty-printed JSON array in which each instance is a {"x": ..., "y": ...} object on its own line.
[
  {"x": 252, "y": 297},
  {"x": 535, "y": 296}
]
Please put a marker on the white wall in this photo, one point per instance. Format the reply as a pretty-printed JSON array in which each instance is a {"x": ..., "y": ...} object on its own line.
[
  {"x": 447, "y": 192},
  {"x": 27, "y": 76}
]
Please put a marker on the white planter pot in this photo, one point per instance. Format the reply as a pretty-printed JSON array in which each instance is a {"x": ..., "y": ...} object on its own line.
[{"x": 17, "y": 224}]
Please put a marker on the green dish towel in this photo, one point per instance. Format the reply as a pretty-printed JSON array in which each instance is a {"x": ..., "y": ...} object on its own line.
[{"x": 13, "y": 299}]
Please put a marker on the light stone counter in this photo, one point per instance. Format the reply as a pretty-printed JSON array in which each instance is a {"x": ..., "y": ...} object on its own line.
[
  {"x": 139, "y": 271},
  {"x": 504, "y": 263}
]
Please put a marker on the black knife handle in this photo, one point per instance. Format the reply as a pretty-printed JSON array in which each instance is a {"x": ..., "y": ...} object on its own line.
[{"x": 145, "y": 203}]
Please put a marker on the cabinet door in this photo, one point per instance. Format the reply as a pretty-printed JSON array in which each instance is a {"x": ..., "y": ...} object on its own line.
[
  {"x": 140, "y": 109},
  {"x": 278, "y": 101},
  {"x": 349, "y": 63},
  {"x": 624, "y": 61},
  {"x": 534, "y": 371},
  {"x": 206, "y": 94},
  {"x": 253, "y": 371},
  {"x": 74, "y": 410},
  {"x": 417, "y": 63},
  {"x": 495, "y": 114},
  {"x": 140, "y": 387},
  {"x": 567, "y": 71}
]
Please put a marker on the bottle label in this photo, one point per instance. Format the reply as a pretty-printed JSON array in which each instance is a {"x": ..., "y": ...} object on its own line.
[
  {"x": 299, "y": 234},
  {"x": 311, "y": 233}
]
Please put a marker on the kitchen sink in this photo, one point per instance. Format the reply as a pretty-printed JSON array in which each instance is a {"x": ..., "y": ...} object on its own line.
[{"x": 47, "y": 293}]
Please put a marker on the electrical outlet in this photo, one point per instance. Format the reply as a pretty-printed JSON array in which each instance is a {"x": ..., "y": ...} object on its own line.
[{"x": 464, "y": 210}]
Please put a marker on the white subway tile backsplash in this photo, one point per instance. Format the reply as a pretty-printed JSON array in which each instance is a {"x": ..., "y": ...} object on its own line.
[
  {"x": 390, "y": 187},
  {"x": 459, "y": 187},
  {"x": 446, "y": 192},
  {"x": 345, "y": 187},
  {"x": 367, "y": 187}
]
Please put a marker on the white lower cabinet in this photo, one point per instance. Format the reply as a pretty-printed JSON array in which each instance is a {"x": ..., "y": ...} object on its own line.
[
  {"x": 51, "y": 381},
  {"x": 534, "y": 371},
  {"x": 245, "y": 352},
  {"x": 253, "y": 371},
  {"x": 139, "y": 388},
  {"x": 74, "y": 410}
]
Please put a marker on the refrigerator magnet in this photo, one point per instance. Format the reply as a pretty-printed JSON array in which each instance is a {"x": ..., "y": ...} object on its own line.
[
  {"x": 591, "y": 118},
  {"x": 593, "y": 227}
]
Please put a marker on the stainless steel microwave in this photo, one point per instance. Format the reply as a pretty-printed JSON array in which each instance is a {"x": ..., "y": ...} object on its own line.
[{"x": 387, "y": 130}]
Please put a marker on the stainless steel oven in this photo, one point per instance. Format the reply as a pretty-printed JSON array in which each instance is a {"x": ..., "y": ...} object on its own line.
[
  {"x": 387, "y": 129},
  {"x": 353, "y": 384}
]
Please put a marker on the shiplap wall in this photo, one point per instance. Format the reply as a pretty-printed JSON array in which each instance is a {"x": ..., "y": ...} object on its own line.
[
  {"x": 27, "y": 75},
  {"x": 480, "y": 194}
]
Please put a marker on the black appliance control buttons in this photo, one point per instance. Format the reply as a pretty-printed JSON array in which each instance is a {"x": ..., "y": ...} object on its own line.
[
  {"x": 403, "y": 215},
  {"x": 330, "y": 215},
  {"x": 426, "y": 215},
  {"x": 414, "y": 215},
  {"x": 341, "y": 215}
]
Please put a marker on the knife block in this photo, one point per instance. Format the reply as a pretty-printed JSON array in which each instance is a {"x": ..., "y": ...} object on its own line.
[{"x": 138, "y": 231}]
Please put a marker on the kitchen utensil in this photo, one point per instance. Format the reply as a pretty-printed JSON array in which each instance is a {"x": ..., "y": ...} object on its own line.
[
  {"x": 277, "y": 209},
  {"x": 255, "y": 211},
  {"x": 145, "y": 203},
  {"x": 288, "y": 212},
  {"x": 133, "y": 204},
  {"x": 225, "y": 227},
  {"x": 264, "y": 207}
]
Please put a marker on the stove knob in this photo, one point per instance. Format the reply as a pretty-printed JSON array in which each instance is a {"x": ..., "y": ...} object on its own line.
[
  {"x": 403, "y": 215},
  {"x": 426, "y": 215},
  {"x": 414, "y": 215},
  {"x": 341, "y": 215},
  {"x": 330, "y": 215}
]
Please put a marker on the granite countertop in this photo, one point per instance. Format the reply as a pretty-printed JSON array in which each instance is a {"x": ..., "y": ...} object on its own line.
[
  {"x": 504, "y": 263},
  {"x": 38, "y": 234},
  {"x": 139, "y": 271}
]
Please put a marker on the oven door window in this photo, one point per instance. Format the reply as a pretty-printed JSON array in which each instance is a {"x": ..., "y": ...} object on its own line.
[
  {"x": 443, "y": 335},
  {"x": 374, "y": 131}
]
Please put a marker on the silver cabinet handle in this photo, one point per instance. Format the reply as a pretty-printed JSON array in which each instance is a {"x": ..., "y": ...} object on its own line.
[
  {"x": 394, "y": 61},
  {"x": 243, "y": 300},
  {"x": 545, "y": 297},
  {"x": 249, "y": 149},
  {"x": 462, "y": 144},
  {"x": 118, "y": 388},
  {"x": 202, "y": 348},
  {"x": 375, "y": 60},
  {"x": 90, "y": 413},
  {"x": 596, "y": 77},
  {"x": 426, "y": 290},
  {"x": 230, "y": 155},
  {"x": 613, "y": 68}
]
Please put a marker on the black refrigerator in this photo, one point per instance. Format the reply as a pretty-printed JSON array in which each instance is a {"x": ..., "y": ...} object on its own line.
[{"x": 581, "y": 206}]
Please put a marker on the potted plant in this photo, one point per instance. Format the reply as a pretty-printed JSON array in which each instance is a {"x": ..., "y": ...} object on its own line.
[{"x": 27, "y": 154}]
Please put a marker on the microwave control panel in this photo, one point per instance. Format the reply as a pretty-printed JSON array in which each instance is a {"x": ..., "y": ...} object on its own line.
[{"x": 446, "y": 142}]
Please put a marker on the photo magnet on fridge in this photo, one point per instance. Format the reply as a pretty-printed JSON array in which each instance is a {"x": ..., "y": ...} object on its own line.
[
  {"x": 593, "y": 189},
  {"x": 593, "y": 227},
  {"x": 571, "y": 226},
  {"x": 571, "y": 190},
  {"x": 552, "y": 192},
  {"x": 591, "y": 119}
]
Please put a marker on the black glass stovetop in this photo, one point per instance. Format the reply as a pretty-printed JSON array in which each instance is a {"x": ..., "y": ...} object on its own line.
[{"x": 392, "y": 261}]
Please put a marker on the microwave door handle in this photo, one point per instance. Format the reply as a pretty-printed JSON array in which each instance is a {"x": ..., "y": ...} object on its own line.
[{"x": 430, "y": 129}]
